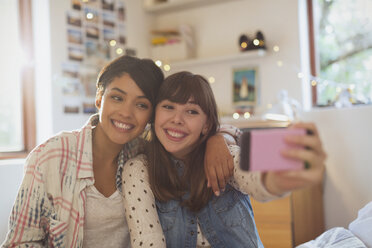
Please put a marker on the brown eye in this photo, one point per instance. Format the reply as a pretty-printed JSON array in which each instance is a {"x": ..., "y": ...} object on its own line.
[
  {"x": 143, "y": 105},
  {"x": 116, "y": 98}
]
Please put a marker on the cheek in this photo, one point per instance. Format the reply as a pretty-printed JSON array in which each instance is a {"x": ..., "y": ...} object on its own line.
[{"x": 145, "y": 118}]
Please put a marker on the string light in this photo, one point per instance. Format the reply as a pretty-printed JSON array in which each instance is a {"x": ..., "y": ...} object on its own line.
[
  {"x": 247, "y": 115},
  {"x": 337, "y": 87},
  {"x": 119, "y": 51},
  {"x": 90, "y": 16},
  {"x": 167, "y": 67},
  {"x": 112, "y": 43},
  {"x": 236, "y": 116},
  {"x": 244, "y": 45},
  {"x": 211, "y": 80},
  {"x": 158, "y": 63}
]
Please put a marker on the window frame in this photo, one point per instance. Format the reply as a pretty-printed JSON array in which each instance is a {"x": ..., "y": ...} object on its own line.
[
  {"x": 312, "y": 50},
  {"x": 27, "y": 82}
]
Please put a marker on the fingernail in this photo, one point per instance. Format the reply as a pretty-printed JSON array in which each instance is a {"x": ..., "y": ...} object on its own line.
[{"x": 217, "y": 193}]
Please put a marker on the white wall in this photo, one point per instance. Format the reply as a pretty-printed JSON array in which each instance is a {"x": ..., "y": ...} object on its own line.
[
  {"x": 50, "y": 34},
  {"x": 217, "y": 30},
  {"x": 347, "y": 139}
]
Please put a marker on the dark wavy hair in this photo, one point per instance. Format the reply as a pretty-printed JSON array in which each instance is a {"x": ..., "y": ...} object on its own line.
[
  {"x": 145, "y": 73},
  {"x": 166, "y": 183}
]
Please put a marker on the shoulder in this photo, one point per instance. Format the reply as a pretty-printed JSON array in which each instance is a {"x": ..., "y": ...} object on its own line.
[
  {"x": 140, "y": 159},
  {"x": 136, "y": 165},
  {"x": 234, "y": 150},
  {"x": 63, "y": 145},
  {"x": 51, "y": 144}
]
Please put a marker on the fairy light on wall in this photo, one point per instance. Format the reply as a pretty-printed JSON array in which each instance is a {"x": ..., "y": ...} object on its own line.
[
  {"x": 211, "y": 80},
  {"x": 112, "y": 43},
  {"x": 158, "y": 63},
  {"x": 119, "y": 51},
  {"x": 90, "y": 15}
]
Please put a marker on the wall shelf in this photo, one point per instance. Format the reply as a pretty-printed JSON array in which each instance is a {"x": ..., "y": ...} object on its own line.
[
  {"x": 220, "y": 59},
  {"x": 172, "y": 5}
]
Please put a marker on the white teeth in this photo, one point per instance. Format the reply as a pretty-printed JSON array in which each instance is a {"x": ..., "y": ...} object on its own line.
[
  {"x": 122, "y": 125},
  {"x": 175, "y": 134}
]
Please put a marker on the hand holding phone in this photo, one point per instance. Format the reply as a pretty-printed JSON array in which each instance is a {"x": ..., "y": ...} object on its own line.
[{"x": 260, "y": 150}]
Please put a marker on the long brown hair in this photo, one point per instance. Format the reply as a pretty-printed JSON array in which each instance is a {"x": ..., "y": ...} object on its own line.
[{"x": 165, "y": 181}]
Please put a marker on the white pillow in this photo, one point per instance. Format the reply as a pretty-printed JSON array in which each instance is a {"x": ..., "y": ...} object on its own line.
[{"x": 362, "y": 225}]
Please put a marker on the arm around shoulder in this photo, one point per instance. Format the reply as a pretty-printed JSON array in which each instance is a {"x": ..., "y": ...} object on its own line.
[{"x": 249, "y": 182}]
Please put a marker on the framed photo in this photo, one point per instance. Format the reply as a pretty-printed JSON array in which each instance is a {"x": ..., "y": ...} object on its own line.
[{"x": 245, "y": 86}]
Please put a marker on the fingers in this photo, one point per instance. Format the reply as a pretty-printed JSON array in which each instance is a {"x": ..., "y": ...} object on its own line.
[
  {"x": 285, "y": 181},
  {"x": 309, "y": 141},
  {"x": 306, "y": 125},
  {"x": 304, "y": 155},
  {"x": 213, "y": 182},
  {"x": 218, "y": 163},
  {"x": 221, "y": 178}
]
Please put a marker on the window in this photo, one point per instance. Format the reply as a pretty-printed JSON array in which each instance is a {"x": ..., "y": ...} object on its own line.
[
  {"x": 343, "y": 45},
  {"x": 17, "y": 128}
]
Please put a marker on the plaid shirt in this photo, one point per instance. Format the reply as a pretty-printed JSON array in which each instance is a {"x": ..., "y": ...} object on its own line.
[{"x": 50, "y": 206}]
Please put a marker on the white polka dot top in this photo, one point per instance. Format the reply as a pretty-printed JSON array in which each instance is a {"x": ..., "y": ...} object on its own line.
[{"x": 139, "y": 202}]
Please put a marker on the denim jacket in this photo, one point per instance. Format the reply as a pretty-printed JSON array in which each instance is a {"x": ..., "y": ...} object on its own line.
[{"x": 226, "y": 221}]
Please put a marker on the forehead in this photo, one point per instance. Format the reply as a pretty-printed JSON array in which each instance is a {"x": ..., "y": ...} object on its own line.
[{"x": 125, "y": 84}]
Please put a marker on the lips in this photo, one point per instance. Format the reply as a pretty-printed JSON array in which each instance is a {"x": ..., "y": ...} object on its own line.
[
  {"x": 122, "y": 126},
  {"x": 175, "y": 135}
]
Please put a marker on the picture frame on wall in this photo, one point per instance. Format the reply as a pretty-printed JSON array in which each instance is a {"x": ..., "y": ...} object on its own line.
[{"x": 245, "y": 86}]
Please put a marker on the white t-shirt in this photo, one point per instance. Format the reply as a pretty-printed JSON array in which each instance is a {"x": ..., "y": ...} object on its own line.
[{"x": 105, "y": 224}]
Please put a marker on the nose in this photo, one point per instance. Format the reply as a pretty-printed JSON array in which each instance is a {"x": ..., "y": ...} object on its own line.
[
  {"x": 178, "y": 118},
  {"x": 126, "y": 109}
]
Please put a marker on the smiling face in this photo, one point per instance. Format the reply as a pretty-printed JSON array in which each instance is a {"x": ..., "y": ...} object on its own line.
[
  {"x": 124, "y": 111},
  {"x": 179, "y": 126}
]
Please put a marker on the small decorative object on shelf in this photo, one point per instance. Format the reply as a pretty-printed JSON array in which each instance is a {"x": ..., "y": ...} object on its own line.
[
  {"x": 259, "y": 41},
  {"x": 173, "y": 44},
  {"x": 246, "y": 44}
]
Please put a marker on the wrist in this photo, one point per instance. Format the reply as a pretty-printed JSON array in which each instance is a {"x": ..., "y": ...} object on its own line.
[{"x": 268, "y": 180}]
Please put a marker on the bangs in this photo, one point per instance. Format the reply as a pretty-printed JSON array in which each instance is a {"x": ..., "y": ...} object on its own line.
[{"x": 179, "y": 88}]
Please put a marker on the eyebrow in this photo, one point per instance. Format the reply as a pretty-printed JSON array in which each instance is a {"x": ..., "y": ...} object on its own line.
[
  {"x": 125, "y": 93},
  {"x": 192, "y": 102}
]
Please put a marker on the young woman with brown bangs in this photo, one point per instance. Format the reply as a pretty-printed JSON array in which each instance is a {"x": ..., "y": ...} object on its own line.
[{"x": 167, "y": 199}]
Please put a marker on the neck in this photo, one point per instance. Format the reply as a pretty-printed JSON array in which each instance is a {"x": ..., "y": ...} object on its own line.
[{"x": 104, "y": 149}]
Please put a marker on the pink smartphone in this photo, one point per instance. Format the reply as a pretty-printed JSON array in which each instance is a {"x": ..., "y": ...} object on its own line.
[{"x": 260, "y": 150}]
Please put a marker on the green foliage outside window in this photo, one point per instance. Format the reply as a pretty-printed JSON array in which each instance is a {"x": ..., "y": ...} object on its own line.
[{"x": 344, "y": 45}]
